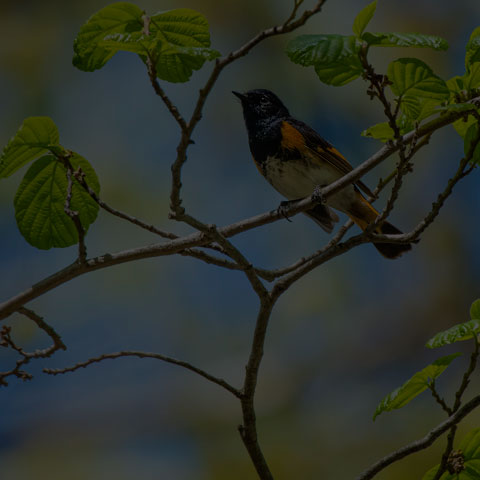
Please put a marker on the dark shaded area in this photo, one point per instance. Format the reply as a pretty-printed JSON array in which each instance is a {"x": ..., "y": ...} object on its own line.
[{"x": 342, "y": 338}]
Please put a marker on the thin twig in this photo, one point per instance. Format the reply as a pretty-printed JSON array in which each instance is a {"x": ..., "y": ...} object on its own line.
[
  {"x": 156, "y": 356},
  {"x": 74, "y": 215},
  {"x": 438, "y": 398},
  {"x": 7, "y": 341}
]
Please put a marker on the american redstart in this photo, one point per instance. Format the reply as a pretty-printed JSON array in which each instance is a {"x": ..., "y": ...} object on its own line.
[{"x": 295, "y": 160}]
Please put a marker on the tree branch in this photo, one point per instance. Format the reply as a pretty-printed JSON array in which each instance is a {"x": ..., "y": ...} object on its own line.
[
  {"x": 421, "y": 444},
  {"x": 156, "y": 356},
  {"x": 6, "y": 341}
]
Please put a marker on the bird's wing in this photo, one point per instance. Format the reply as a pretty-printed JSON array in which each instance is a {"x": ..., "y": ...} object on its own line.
[{"x": 324, "y": 150}]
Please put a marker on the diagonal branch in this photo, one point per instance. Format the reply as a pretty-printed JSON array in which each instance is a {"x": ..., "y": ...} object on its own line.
[
  {"x": 200, "y": 239},
  {"x": 422, "y": 443}
]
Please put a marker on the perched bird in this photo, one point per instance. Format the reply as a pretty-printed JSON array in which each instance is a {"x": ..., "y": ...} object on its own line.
[{"x": 295, "y": 160}]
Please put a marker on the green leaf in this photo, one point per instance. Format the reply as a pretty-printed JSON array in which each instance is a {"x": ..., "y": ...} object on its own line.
[
  {"x": 380, "y": 131},
  {"x": 471, "y": 79},
  {"x": 417, "y": 40},
  {"x": 40, "y": 200},
  {"x": 411, "y": 76},
  {"x": 418, "y": 88},
  {"x": 413, "y": 387},
  {"x": 179, "y": 66},
  {"x": 177, "y": 41},
  {"x": 341, "y": 73},
  {"x": 121, "y": 17},
  {"x": 471, "y": 137},
  {"x": 458, "y": 333},
  {"x": 135, "y": 42},
  {"x": 469, "y": 449},
  {"x": 32, "y": 140},
  {"x": 475, "y": 310},
  {"x": 455, "y": 84},
  {"x": 417, "y": 108},
  {"x": 363, "y": 18},
  {"x": 188, "y": 37},
  {"x": 473, "y": 49},
  {"x": 335, "y": 57},
  {"x": 461, "y": 126}
]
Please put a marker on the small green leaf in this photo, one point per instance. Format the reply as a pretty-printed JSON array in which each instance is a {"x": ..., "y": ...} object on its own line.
[
  {"x": 473, "y": 49},
  {"x": 418, "y": 88},
  {"x": 413, "y": 387},
  {"x": 363, "y": 18},
  {"x": 411, "y": 76},
  {"x": 469, "y": 449},
  {"x": 380, "y": 131},
  {"x": 461, "y": 126},
  {"x": 458, "y": 333},
  {"x": 417, "y": 40},
  {"x": 40, "y": 200},
  {"x": 471, "y": 137},
  {"x": 475, "y": 310},
  {"x": 471, "y": 80},
  {"x": 335, "y": 57},
  {"x": 455, "y": 84},
  {"x": 121, "y": 17},
  {"x": 33, "y": 139}
]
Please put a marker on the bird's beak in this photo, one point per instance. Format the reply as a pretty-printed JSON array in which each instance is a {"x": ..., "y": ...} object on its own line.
[{"x": 241, "y": 96}]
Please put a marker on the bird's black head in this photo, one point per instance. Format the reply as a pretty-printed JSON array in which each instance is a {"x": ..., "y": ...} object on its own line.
[{"x": 260, "y": 105}]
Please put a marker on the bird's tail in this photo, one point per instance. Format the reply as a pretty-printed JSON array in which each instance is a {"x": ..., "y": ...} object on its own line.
[{"x": 367, "y": 214}]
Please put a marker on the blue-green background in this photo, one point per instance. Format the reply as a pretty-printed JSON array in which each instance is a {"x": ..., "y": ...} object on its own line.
[{"x": 339, "y": 340}]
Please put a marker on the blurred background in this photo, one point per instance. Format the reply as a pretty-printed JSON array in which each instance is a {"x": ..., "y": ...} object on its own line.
[{"x": 340, "y": 339}]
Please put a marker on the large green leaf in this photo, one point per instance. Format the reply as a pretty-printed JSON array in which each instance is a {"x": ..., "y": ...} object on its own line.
[
  {"x": 335, "y": 57},
  {"x": 40, "y": 201},
  {"x": 413, "y": 387},
  {"x": 418, "y": 88},
  {"x": 32, "y": 140},
  {"x": 363, "y": 18},
  {"x": 417, "y": 40},
  {"x": 410, "y": 76},
  {"x": 177, "y": 41},
  {"x": 121, "y": 17},
  {"x": 468, "y": 460}
]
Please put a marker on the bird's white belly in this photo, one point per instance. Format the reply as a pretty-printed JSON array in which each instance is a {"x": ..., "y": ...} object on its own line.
[{"x": 296, "y": 179}]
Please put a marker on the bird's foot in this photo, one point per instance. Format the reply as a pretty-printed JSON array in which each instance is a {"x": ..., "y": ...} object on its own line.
[
  {"x": 284, "y": 206},
  {"x": 317, "y": 194}
]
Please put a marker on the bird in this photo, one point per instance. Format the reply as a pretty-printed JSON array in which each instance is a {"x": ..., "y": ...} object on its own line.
[{"x": 297, "y": 161}]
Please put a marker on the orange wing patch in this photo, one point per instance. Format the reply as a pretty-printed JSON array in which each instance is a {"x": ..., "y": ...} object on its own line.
[
  {"x": 291, "y": 137},
  {"x": 336, "y": 152}
]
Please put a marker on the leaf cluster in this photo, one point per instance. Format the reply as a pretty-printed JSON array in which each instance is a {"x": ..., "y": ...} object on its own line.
[{"x": 416, "y": 90}]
